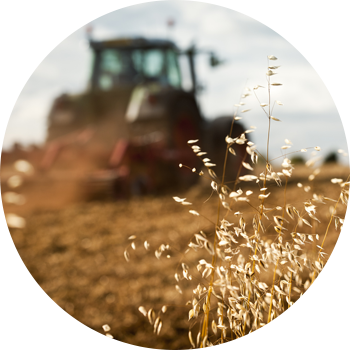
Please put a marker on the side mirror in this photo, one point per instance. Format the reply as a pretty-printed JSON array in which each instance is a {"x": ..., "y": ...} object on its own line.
[{"x": 214, "y": 61}]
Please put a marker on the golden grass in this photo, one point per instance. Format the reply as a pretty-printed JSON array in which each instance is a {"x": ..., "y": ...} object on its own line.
[{"x": 263, "y": 254}]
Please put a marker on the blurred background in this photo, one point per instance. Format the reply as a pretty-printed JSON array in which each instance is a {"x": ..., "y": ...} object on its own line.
[{"x": 44, "y": 52}]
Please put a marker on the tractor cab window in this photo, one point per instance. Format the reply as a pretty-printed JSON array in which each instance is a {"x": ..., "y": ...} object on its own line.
[
  {"x": 173, "y": 71},
  {"x": 185, "y": 68},
  {"x": 161, "y": 65},
  {"x": 153, "y": 64},
  {"x": 115, "y": 68},
  {"x": 133, "y": 66}
]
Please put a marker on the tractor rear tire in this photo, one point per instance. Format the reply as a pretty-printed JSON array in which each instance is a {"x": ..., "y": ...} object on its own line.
[{"x": 186, "y": 125}]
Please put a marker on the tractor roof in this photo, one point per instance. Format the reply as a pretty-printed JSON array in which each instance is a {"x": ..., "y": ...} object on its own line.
[{"x": 132, "y": 43}]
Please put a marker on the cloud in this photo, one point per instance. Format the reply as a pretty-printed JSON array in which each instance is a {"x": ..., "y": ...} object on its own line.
[{"x": 240, "y": 40}]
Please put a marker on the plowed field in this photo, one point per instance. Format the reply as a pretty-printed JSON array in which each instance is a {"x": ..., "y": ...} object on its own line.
[{"x": 69, "y": 275}]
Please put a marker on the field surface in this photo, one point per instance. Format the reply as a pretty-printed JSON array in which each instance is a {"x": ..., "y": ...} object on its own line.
[{"x": 74, "y": 249}]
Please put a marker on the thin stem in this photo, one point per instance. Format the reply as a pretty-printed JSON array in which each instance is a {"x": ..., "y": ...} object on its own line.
[
  {"x": 278, "y": 259},
  {"x": 291, "y": 274},
  {"x": 288, "y": 315},
  {"x": 206, "y": 316},
  {"x": 263, "y": 199}
]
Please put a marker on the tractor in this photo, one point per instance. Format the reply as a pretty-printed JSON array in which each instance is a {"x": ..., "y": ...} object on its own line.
[{"x": 128, "y": 131}]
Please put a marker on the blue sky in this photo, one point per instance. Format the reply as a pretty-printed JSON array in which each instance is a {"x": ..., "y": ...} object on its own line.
[{"x": 309, "y": 116}]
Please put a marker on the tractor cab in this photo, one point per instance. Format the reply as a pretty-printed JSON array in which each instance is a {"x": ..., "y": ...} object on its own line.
[{"x": 129, "y": 62}]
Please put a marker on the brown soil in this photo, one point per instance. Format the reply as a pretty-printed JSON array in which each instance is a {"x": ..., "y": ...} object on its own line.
[{"x": 75, "y": 251}]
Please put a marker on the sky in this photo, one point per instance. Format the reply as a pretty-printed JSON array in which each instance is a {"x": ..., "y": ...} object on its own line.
[{"x": 309, "y": 116}]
